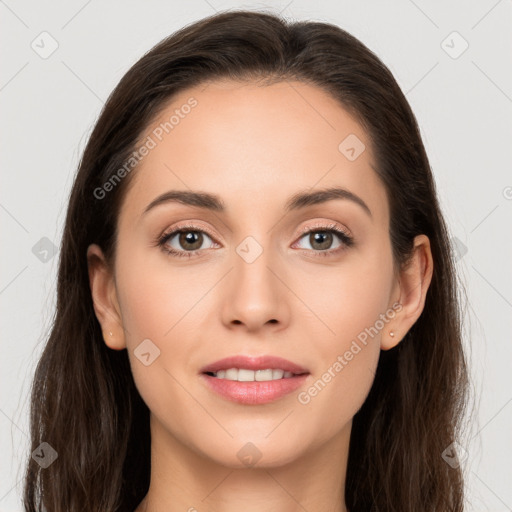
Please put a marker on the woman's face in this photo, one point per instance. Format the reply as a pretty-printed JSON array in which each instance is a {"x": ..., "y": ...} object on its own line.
[{"x": 249, "y": 282}]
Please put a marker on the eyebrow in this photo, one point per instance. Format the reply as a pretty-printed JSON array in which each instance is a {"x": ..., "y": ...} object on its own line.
[{"x": 295, "y": 202}]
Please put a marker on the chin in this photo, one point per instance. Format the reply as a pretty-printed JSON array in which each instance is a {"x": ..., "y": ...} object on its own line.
[{"x": 250, "y": 452}]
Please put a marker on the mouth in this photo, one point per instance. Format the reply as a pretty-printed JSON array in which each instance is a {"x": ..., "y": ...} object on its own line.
[{"x": 253, "y": 380}]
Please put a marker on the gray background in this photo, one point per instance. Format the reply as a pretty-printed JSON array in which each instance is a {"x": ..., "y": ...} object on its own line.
[{"x": 462, "y": 100}]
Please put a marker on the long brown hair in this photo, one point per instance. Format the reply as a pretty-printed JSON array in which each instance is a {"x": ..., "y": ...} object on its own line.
[{"x": 84, "y": 402}]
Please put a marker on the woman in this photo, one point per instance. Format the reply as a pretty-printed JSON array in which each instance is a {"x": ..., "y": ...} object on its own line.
[{"x": 256, "y": 296}]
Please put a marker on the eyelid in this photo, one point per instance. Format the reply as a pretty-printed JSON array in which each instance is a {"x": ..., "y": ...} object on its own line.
[
  {"x": 325, "y": 225},
  {"x": 187, "y": 225}
]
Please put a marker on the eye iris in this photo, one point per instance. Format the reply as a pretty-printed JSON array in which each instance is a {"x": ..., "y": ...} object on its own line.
[
  {"x": 321, "y": 237},
  {"x": 191, "y": 237}
]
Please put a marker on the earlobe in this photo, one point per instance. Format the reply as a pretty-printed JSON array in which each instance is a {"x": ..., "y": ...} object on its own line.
[
  {"x": 104, "y": 298},
  {"x": 414, "y": 281},
  {"x": 390, "y": 339}
]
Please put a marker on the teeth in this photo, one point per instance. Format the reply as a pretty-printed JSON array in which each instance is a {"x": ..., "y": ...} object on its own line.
[{"x": 244, "y": 375}]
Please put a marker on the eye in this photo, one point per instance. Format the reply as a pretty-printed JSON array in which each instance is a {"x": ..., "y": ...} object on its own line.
[
  {"x": 184, "y": 241},
  {"x": 321, "y": 239}
]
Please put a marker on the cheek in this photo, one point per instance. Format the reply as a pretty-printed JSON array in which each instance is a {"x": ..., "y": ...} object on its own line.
[
  {"x": 348, "y": 299},
  {"x": 352, "y": 303},
  {"x": 156, "y": 295},
  {"x": 154, "y": 304},
  {"x": 160, "y": 304}
]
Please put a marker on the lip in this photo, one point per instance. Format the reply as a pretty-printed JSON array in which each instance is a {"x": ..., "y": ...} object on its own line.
[
  {"x": 254, "y": 363},
  {"x": 254, "y": 393}
]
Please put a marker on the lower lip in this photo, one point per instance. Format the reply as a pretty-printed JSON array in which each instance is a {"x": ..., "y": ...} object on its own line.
[{"x": 256, "y": 392}]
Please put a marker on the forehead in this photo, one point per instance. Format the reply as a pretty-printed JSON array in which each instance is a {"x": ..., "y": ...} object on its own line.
[{"x": 254, "y": 145}]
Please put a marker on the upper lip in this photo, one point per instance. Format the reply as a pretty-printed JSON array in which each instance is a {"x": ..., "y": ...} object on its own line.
[{"x": 254, "y": 363}]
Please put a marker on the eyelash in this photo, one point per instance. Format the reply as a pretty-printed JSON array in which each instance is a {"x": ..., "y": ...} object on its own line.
[{"x": 345, "y": 238}]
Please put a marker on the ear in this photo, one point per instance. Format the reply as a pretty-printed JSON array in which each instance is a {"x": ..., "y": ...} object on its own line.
[
  {"x": 413, "y": 282},
  {"x": 104, "y": 297}
]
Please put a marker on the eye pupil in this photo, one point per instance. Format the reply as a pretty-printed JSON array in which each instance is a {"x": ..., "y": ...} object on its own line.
[{"x": 321, "y": 237}]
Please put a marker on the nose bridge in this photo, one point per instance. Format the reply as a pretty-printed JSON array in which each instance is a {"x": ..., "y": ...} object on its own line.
[
  {"x": 255, "y": 295},
  {"x": 251, "y": 262}
]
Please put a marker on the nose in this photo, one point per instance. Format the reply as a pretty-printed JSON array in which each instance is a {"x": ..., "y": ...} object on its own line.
[{"x": 255, "y": 295}]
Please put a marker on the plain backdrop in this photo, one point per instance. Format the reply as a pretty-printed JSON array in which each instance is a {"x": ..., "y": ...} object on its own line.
[{"x": 61, "y": 60}]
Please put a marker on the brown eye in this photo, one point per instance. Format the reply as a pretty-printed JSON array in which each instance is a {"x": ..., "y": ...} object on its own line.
[
  {"x": 190, "y": 240},
  {"x": 184, "y": 241},
  {"x": 320, "y": 240}
]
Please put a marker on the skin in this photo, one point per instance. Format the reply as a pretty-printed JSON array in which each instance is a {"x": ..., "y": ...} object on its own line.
[{"x": 254, "y": 146}]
